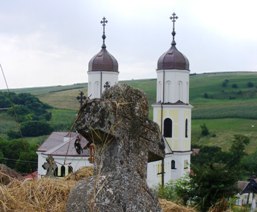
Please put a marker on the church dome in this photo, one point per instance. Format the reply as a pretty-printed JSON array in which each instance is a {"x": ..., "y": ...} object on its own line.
[
  {"x": 103, "y": 61},
  {"x": 173, "y": 59}
]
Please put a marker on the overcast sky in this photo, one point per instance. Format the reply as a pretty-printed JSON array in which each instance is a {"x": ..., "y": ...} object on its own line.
[{"x": 50, "y": 42}]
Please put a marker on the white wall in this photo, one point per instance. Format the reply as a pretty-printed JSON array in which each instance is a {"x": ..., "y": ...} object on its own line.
[
  {"x": 176, "y": 86},
  {"x": 75, "y": 162},
  {"x": 97, "y": 80}
]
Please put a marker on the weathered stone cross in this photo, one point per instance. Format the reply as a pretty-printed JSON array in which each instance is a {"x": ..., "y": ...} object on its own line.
[{"x": 125, "y": 141}]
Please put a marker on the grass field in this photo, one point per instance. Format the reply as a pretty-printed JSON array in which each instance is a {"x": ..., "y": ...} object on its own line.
[
  {"x": 224, "y": 131},
  {"x": 226, "y": 109}
]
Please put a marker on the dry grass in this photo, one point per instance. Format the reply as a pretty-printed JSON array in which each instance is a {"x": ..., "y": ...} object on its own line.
[
  {"x": 168, "y": 206},
  {"x": 45, "y": 194},
  {"x": 50, "y": 194}
]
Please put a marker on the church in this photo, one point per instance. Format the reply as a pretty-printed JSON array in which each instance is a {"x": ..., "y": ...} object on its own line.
[{"x": 172, "y": 111}]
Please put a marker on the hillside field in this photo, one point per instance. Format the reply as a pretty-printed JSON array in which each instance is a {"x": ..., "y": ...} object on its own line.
[{"x": 225, "y": 102}]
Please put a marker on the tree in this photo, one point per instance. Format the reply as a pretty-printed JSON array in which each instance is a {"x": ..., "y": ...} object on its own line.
[
  {"x": 249, "y": 164},
  {"x": 212, "y": 182},
  {"x": 225, "y": 83},
  {"x": 234, "y": 85},
  {"x": 35, "y": 128},
  {"x": 250, "y": 84},
  {"x": 215, "y": 173},
  {"x": 237, "y": 150},
  {"x": 205, "y": 130},
  {"x": 27, "y": 162}
]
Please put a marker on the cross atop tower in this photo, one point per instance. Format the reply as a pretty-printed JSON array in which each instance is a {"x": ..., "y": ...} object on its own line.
[
  {"x": 173, "y": 18},
  {"x": 104, "y": 22}
]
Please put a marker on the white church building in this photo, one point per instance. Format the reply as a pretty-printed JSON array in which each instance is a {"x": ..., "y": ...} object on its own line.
[{"x": 171, "y": 111}]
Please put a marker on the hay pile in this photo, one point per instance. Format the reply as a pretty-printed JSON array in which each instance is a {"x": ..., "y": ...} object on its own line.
[
  {"x": 50, "y": 194},
  {"x": 82, "y": 173},
  {"x": 45, "y": 194},
  {"x": 7, "y": 175},
  {"x": 168, "y": 206}
]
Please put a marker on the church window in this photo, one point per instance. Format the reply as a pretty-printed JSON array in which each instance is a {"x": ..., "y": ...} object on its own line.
[
  {"x": 186, "y": 164},
  {"x": 159, "y": 168},
  {"x": 173, "y": 164},
  {"x": 62, "y": 171},
  {"x": 180, "y": 90},
  {"x": 96, "y": 88},
  {"x": 70, "y": 169},
  {"x": 168, "y": 128},
  {"x": 159, "y": 91},
  {"x": 187, "y": 92},
  {"x": 186, "y": 128},
  {"x": 168, "y": 91}
]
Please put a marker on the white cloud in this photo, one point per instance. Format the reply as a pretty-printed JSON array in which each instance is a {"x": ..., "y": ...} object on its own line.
[{"x": 37, "y": 60}]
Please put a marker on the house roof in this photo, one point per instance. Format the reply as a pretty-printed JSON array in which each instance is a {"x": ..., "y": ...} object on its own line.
[
  {"x": 62, "y": 144},
  {"x": 250, "y": 186}
]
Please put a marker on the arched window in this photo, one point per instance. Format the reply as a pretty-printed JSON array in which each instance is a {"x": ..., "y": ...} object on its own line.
[
  {"x": 173, "y": 164},
  {"x": 187, "y": 93},
  {"x": 168, "y": 91},
  {"x": 97, "y": 89},
  {"x": 168, "y": 128},
  {"x": 186, "y": 164},
  {"x": 70, "y": 169},
  {"x": 186, "y": 128},
  {"x": 62, "y": 171},
  {"x": 159, "y": 96},
  {"x": 180, "y": 90},
  {"x": 56, "y": 172}
]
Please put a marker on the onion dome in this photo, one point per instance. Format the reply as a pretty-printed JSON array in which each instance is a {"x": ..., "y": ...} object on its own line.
[
  {"x": 103, "y": 61},
  {"x": 173, "y": 59}
]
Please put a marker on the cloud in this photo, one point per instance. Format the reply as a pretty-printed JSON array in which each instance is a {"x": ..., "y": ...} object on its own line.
[{"x": 37, "y": 59}]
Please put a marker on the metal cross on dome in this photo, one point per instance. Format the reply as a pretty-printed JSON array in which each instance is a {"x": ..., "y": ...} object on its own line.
[
  {"x": 104, "y": 22},
  {"x": 173, "y": 18}
]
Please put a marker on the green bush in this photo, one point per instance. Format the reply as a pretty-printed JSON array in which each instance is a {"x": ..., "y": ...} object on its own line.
[
  {"x": 12, "y": 134},
  {"x": 35, "y": 128},
  {"x": 204, "y": 130},
  {"x": 167, "y": 191}
]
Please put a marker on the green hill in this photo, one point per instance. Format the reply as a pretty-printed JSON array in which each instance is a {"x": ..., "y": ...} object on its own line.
[{"x": 226, "y": 102}]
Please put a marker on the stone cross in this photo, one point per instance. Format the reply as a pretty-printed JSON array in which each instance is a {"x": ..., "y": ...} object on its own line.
[
  {"x": 125, "y": 141},
  {"x": 81, "y": 98},
  {"x": 50, "y": 166}
]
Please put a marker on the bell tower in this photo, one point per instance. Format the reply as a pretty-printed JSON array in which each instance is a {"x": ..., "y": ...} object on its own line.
[
  {"x": 102, "y": 69},
  {"x": 172, "y": 112}
]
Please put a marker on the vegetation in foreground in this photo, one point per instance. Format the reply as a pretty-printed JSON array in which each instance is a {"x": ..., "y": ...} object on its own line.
[
  {"x": 211, "y": 183},
  {"x": 50, "y": 194}
]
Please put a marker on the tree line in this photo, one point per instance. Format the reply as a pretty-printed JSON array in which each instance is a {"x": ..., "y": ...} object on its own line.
[{"x": 31, "y": 114}]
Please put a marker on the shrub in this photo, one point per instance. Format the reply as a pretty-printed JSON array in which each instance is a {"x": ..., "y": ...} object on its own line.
[
  {"x": 204, "y": 130},
  {"x": 234, "y": 85},
  {"x": 14, "y": 134},
  {"x": 35, "y": 128},
  {"x": 167, "y": 191},
  {"x": 250, "y": 85},
  {"x": 225, "y": 83}
]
